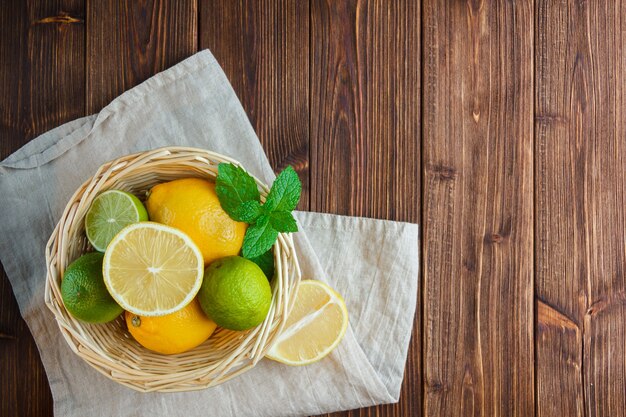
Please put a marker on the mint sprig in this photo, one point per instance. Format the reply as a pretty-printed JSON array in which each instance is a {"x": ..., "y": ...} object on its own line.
[
  {"x": 266, "y": 263},
  {"x": 234, "y": 187},
  {"x": 285, "y": 192},
  {"x": 240, "y": 198},
  {"x": 249, "y": 211},
  {"x": 259, "y": 238},
  {"x": 283, "y": 221}
]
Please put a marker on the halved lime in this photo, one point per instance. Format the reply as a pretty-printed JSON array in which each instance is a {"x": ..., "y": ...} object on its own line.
[{"x": 109, "y": 213}]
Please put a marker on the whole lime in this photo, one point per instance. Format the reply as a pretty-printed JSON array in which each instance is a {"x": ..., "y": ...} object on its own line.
[
  {"x": 83, "y": 291},
  {"x": 235, "y": 293}
]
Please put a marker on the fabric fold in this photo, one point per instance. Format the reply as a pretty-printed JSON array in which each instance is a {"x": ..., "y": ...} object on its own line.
[{"x": 372, "y": 263}]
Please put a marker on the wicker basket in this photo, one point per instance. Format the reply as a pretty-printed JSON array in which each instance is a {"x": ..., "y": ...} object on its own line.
[{"x": 108, "y": 347}]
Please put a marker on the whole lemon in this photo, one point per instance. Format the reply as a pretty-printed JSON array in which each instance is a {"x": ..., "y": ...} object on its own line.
[
  {"x": 235, "y": 293},
  {"x": 191, "y": 205},
  {"x": 173, "y": 333}
]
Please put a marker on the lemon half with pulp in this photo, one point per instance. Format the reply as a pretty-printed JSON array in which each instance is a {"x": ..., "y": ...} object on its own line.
[{"x": 152, "y": 270}]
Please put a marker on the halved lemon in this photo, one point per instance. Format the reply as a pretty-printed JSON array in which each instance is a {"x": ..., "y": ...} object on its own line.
[
  {"x": 152, "y": 270},
  {"x": 315, "y": 326}
]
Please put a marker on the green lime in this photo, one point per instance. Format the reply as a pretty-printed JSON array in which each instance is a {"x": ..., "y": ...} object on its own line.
[
  {"x": 235, "y": 293},
  {"x": 109, "y": 213},
  {"x": 84, "y": 294}
]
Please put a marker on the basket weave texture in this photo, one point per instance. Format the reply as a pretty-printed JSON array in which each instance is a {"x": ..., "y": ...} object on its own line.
[{"x": 109, "y": 348}]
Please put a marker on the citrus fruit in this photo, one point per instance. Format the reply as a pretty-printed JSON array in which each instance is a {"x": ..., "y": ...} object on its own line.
[
  {"x": 173, "y": 333},
  {"x": 235, "y": 293},
  {"x": 109, "y": 213},
  {"x": 83, "y": 291},
  {"x": 151, "y": 269},
  {"x": 191, "y": 205},
  {"x": 315, "y": 326}
]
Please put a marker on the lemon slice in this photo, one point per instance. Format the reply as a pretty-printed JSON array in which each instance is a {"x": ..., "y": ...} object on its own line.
[
  {"x": 315, "y": 326},
  {"x": 151, "y": 269}
]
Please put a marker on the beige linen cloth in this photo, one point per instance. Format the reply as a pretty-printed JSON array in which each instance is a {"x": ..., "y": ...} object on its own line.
[{"x": 373, "y": 263}]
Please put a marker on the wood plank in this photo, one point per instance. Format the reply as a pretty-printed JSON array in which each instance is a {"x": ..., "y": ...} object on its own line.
[
  {"x": 604, "y": 344},
  {"x": 42, "y": 79},
  {"x": 42, "y": 69},
  {"x": 129, "y": 41},
  {"x": 561, "y": 272},
  {"x": 24, "y": 386},
  {"x": 365, "y": 133},
  {"x": 263, "y": 47},
  {"x": 559, "y": 359},
  {"x": 580, "y": 225},
  {"x": 365, "y": 129},
  {"x": 478, "y": 208}
]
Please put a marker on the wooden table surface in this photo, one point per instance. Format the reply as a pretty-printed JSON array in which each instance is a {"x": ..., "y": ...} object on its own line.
[{"x": 498, "y": 126}]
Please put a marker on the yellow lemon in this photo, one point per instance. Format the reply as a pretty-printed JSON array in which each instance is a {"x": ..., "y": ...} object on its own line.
[
  {"x": 315, "y": 326},
  {"x": 151, "y": 269},
  {"x": 174, "y": 333},
  {"x": 191, "y": 205}
]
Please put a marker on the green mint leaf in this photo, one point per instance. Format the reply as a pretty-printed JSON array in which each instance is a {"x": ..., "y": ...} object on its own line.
[
  {"x": 285, "y": 192},
  {"x": 283, "y": 221},
  {"x": 266, "y": 263},
  {"x": 234, "y": 186},
  {"x": 249, "y": 211},
  {"x": 259, "y": 238}
]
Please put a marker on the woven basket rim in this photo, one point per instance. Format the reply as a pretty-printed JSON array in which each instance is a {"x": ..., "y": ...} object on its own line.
[{"x": 107, "y": 347}]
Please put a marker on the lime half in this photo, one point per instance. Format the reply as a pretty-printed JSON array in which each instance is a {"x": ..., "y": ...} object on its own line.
[{"x": 109, "y": 213}]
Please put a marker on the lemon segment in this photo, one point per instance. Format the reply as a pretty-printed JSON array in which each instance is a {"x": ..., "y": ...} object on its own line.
[
  {"x": 315, "y": 326},
  {"x": 152, "y": 270}
]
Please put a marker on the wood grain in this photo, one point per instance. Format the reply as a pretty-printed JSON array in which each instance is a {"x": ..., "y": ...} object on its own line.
[
  {"x": 559, "y": 364},
  {"x": 263, "y": 47},
  {"x": 580, "y": 194},
  {"x": 334, "y": 88},
  {"x": 365, "y": 128},
  {"x": 365, "y": 88},
  {"x": 24, "y": 389},
  {"x": 42, "y": 77},
  {"x": 478, "y": 211},
  {"x": 129, "y": 41},
  {"x": 42, "y": 70}
]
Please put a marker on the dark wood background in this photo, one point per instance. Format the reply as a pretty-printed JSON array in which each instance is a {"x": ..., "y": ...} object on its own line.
[{"x": 497, "y": 125}]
